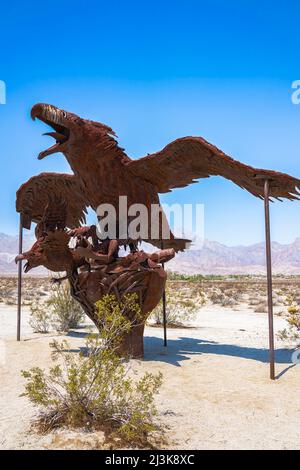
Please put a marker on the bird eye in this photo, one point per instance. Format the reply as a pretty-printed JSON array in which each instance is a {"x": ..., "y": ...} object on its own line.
[{"x": 64, "y": 114}]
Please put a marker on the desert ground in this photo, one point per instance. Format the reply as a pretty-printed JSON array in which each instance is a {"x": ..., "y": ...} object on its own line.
[{"x": 216, "y": 391}]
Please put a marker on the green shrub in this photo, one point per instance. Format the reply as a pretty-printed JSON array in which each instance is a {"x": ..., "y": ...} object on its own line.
[
  {"x": 60, "y": 311},
  {"x": 40, "y": 317},
  {"x": 113, "y": 322},
  {"x": 67, "y": 313},
  {"x": 292, "y": 309},
  {"x": 181, "y": 306},
  {"x": 292, "y": 333},
  {"x": 95, "y": 389}
]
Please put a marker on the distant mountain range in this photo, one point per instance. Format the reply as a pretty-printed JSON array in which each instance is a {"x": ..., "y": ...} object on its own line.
[
  {"x": 211, "y": 258},
  {"x": 215, "y": 258}
]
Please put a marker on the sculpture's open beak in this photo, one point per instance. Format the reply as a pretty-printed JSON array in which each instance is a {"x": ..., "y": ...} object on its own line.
[
  {"x": 22, "y": 257},
  {"x": 56, "y": 118}
]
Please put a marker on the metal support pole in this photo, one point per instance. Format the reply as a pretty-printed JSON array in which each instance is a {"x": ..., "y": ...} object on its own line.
[
  {"x": 269, "y": 280},
  {"x": 164, "y": 307},
  {"x": 164, "y": 317},
  {"x": 19, "y": 282}
]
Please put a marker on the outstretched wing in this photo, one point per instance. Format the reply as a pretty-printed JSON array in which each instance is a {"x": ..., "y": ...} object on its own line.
[
  {"x": 183, "y": 161},
  {"x": 36, "y": 195}
]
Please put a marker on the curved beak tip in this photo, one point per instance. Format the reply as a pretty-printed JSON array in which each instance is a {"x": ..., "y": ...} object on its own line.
[
  {"x": 33, "y": 113},
  {"x": 19, "y": 257},
  {"x": 36, "y": 110}
]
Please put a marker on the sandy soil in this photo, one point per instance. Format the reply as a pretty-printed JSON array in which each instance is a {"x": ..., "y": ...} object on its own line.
[{"x": 216, "y": 392}]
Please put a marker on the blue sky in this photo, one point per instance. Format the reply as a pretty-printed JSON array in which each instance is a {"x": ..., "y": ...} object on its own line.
[{"x": 155, "y": 71}]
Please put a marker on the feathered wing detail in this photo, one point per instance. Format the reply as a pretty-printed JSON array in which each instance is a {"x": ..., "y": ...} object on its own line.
[
  {"x": 36, "y": 200},
  {"x": 54, "y": 217},
  {"x": 185, "y": 160}
]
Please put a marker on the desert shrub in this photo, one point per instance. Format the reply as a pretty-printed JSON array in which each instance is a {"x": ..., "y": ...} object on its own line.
[
  {"x": 254, "y": 301},
  {"x": 9, "y": 296},
  {"x": 278, "y": 300},
  {"x": 291, "y": 333},
  {"x": 235, "y": 294},
  {"x": 226, "y": 299},
  {"x": 280, "y": 313},
  {"x": 60, "y": 311},
  {"x": 288, "y": 334},
  {"x": 94, "y": 389},
  {"x": 181, "y": 307},
  {"x": 67, "y": 313},
  {"x": 289, "y": 300},
  {"x": 40, "y": 317},
  {"x": 292, "y": 309},
  {"x": 261, "y": 307}
]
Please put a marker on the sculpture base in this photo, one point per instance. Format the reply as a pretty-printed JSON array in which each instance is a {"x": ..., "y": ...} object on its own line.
[
  {"x": 135, "y": 274},
  {"x": 132, "y": 344}
]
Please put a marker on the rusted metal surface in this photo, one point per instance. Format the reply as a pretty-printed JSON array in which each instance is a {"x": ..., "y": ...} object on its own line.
[
  {"x": 164, "y": 308},
  {"x": 102, "y": 173},
  {"x": 34, "y": 195},
  {"x": 164, "y": 305},
  {"x": 95, "y": 269},
  {"x": 19, "y": 307},
  {"x": 269, "y": 278}
]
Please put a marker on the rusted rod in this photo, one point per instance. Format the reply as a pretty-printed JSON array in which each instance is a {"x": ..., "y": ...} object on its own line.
[
  {"x": 164, "y": 317},
  {"x": 164, "y": 303},
  {"x": 19, "y": 283},
  {"x": 269, "y": 280}
]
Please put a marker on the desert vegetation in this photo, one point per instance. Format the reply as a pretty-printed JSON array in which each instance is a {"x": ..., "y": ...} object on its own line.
[
  {"x": 58, "y": 311},
  {"x": 33, "y": 289},
  {"x": 235, "y": 290},
  {"x": 185, "y": 295},
  {"x": 181, "y": 306},
  {"x": 292, "y": 332},
  {"x": 96, "y": 388},
  {"x": 85, "y": 396},
  {"x": 53, "y": 309}
]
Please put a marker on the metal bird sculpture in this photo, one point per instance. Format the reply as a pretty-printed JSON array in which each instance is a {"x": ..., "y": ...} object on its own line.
[
  {"x": 103, "y": 171},
  {"x": 57, "y": 203}
]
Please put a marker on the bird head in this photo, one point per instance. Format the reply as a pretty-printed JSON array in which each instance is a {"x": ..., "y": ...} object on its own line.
[
  {"x": 34, "y": 257},
  {"x": 51, "y": 250},
  {"x": 74, "y": 136}
]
